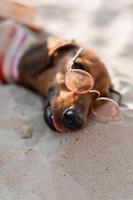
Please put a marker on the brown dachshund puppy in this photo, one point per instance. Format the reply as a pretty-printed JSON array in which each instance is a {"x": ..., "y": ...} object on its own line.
[
  {"x": 43, "y": 68},
  {"x": 41, "y": 62}
]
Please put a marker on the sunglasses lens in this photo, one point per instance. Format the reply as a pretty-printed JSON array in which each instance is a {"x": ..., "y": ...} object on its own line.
[
  {"x": 105, "y": 107},
  {"x": 79, "y": 81}
]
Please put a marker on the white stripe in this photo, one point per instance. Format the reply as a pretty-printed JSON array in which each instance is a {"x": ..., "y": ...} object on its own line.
[
  {"x": 5, "y": 28},
  {"x": 15, "y": 41}
]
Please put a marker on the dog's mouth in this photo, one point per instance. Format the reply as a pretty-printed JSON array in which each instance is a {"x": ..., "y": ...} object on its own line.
[
  {"x": 51, "y": 121},
  {"x": 48, "y": 114}
]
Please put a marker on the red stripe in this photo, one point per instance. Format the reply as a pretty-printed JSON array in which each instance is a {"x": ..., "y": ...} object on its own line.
[{"x": 2, "y": 79}]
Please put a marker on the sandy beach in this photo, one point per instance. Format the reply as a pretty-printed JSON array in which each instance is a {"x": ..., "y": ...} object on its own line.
[{"x": 95, "y": 163}]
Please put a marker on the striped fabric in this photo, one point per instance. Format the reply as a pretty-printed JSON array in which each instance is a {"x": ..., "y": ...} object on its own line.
[{"x": 15, "y": 39}]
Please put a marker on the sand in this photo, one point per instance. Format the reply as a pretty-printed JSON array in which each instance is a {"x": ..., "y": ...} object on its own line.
[{"x": 95, "y": 163}]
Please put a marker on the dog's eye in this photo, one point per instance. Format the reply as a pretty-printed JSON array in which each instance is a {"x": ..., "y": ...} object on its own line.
[{"x": 77, "y": 66}]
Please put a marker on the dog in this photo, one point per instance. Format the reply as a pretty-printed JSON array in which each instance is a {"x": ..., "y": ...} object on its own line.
[{"x": 40, "y": 62}]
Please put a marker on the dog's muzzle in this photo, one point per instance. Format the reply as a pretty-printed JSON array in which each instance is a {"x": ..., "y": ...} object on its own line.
[{"x": 70, "y": 120}]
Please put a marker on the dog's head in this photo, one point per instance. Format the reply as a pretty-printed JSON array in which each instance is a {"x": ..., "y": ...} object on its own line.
[{"x": 66, "y": 110}]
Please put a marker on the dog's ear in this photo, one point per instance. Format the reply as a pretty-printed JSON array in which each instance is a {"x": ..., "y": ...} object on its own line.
[{"x": 60, "y": 45}]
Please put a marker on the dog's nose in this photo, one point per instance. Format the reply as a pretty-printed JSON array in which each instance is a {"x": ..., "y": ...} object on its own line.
[{"x": 72, "y": 119}]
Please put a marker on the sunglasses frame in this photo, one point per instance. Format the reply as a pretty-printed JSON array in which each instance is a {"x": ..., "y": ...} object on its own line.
[
  {"x": 90, "y": 91},
  {"x": 105, "y": 99},
  {"x": 70, "y": 69}
]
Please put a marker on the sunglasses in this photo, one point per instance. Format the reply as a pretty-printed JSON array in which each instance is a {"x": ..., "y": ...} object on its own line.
[{"x": 81, "y": 82}]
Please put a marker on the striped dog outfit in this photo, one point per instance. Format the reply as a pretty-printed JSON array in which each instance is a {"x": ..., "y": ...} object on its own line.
[{"x": 15, "y": 39}]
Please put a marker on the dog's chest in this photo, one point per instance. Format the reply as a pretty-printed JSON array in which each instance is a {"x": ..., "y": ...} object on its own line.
[{"x": 15, "y": 39}]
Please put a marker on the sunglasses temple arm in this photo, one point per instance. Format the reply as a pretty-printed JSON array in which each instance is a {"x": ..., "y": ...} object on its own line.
[
  {"x": 77, "y": 54},
  {"x": 75, "y": 57}
]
